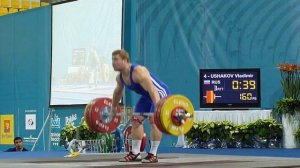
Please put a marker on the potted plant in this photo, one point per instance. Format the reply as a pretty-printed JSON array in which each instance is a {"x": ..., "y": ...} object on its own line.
[
  {"x": 67, "y": 134},
  {"x": 85, "y": 133},
  {"x": 297, "y": 134},
  {"x": 223, "y": 131},
  {"x": 199, "y": 134},
  {"x": 289, "y": 106},
  {"x": 241, "y": 136},
  {"x": 267, "y": 133}
]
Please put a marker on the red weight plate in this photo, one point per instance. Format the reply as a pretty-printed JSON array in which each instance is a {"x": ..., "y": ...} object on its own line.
[
  {"x": 144, "y": 143},
  {"x": 101, "y": 116},
  {"x": 92, "y": 122},
  {"x": 86, "y": 116},
  {"x": 174, "y": 114},
  {"x": 157, "y": 113},
  {"x": 128, "y": 140}
]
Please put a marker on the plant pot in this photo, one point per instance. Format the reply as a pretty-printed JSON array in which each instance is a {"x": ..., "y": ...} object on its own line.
[{"x": 290, "y": 124}]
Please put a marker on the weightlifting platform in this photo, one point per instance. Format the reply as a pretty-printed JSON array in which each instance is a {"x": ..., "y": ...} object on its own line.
[{"x": 169, "y": 157}]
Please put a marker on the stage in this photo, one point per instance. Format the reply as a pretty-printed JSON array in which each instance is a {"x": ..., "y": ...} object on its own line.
[{"x": 168, "y": 157}]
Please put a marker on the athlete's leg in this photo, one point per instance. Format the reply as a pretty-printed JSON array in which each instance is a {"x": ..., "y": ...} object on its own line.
[{"x": 137, "y": 131}]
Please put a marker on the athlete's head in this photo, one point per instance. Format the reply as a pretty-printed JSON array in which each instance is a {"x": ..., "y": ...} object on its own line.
[{"x": 120, "y": 59}]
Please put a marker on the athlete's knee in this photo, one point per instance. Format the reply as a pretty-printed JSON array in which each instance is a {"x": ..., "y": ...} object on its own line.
[
  {"x": 151, "y": 120},
  {"x": 136, "y": 120}
]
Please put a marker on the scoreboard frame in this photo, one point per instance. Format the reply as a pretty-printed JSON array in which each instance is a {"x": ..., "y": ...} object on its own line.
[{"x": 245, "y": 84}]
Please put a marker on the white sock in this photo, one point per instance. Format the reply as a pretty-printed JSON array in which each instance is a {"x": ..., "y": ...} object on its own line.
[
  {"x": 154, "y": 147},
  {"x": 136, "y": 145}
]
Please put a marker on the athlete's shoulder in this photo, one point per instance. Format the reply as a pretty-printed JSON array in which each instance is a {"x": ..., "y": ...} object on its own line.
[
  {"x": 140, "y": 69},
  {"x": 140, "y": 73}
]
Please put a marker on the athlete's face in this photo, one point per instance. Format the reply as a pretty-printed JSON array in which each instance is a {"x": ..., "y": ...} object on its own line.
[{"x": 117, "y": 62}]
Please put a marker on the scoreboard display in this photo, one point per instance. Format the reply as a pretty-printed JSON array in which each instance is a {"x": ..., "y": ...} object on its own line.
[{"x": 229, "y": 88}]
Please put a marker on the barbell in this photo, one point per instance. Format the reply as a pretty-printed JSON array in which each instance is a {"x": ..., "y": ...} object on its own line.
[{"x": 174, "y": 115}]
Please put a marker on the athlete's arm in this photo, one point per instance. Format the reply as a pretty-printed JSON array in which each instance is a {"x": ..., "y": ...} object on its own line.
[{"x": 117, "y": 92}]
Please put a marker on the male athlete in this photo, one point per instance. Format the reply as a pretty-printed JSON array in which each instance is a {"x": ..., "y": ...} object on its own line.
[{"x": 151, "y": 89}]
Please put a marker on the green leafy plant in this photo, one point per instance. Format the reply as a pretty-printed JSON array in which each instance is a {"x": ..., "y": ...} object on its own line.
[
  {"x": 207, "y": 131},
  {"x": 193, "y": 133},
  {"x": 267, "y": 128},
  {"x": 223, "y": 130},
  {"x": 297, "y": 134},
  {"x": 275, "y": 130},
  {"x": 204, "y": 131},
  {"x": 82, "y": 132},
  {"x": 287, "y": 106},
  {"x": 85, "y": 133},
  {"x": 290, "y": 82},
  {"x": 241, "y": 132},
  {"x": 200, "y": 131},
  {"x": 67, "y": 133}
]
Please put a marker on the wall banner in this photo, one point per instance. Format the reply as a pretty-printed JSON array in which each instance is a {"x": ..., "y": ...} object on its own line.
[{"x": 7, "y": 129}]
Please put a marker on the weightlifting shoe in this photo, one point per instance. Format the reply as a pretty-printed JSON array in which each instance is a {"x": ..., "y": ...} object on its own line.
[
  {"x": 150, "y": 158},
  {"x": 130, "y": 157}
]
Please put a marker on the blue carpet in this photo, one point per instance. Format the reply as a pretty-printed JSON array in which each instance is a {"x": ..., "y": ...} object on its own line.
[
  {"x": 295, "y": 153},
  {"x": 37, "y": 154},
  {"x": 292, "y": 153}
]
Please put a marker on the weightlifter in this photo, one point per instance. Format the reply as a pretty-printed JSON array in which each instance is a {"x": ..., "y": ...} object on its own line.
[{"x": 151, "y": 89}]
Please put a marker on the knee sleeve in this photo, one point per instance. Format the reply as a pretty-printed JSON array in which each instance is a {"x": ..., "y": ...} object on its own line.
[
  {"x": 136, "y": 120},
  {"x": 151, "y": 120}
]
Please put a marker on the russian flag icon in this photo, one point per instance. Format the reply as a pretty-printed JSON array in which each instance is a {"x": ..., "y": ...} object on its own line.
[{"x": 206, "y": 82}]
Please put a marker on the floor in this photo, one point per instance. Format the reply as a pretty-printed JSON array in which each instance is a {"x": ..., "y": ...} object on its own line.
[{"x": 169, "y": 157}]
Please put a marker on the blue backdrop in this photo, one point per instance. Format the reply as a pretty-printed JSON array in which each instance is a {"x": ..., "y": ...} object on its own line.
[
  {"x": 174, "y": 39},
  {"x": 25, "y": 52}
]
